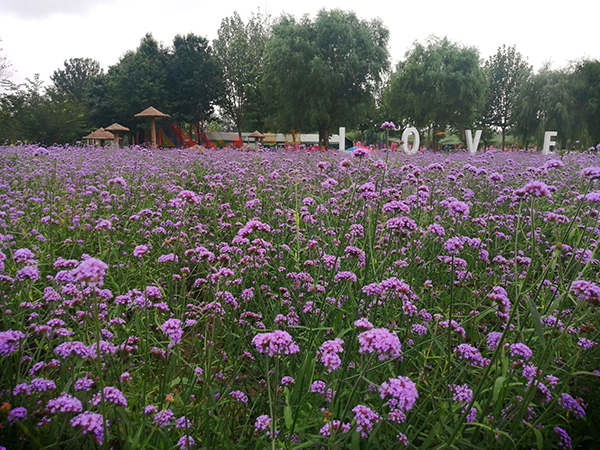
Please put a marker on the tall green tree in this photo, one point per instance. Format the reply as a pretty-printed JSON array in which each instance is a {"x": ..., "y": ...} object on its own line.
[
  {"x": 76, "y": 77},
  {"x": 558, "y": 105},
  {"x": 137, "y": 81},
  {"x": 586, "y": 90},
  {"x": 194, "y": 80},
  {"x": 322, "y": 73},
  {"x": 505, "y": 72},
  {"x": 33, "y": 114},
  {"x": 439, "y": 84},
  {"x": 528, "y": 109},
  {"x": 5, "y": 71},
  {"x": 547, "y": 102},
  {"x": 240, "y": 49}
]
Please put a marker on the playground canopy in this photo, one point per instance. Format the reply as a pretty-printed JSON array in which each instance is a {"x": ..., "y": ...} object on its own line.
[{"x": 153, "y": 114}]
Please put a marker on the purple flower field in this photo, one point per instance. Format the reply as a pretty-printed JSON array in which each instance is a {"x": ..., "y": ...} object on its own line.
[{"x": 176, "y": 300}]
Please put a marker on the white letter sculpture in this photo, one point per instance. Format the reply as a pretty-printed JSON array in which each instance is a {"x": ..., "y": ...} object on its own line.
[
  {"x": 342, "y": 135},
  {"x": 416, "y": 142},
  {"x": 548, "y": 135},
  {"x": 472, "y": 145}
]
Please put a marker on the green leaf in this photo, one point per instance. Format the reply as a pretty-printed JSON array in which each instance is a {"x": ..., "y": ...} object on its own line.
[
  {"x": 539, "y": 439},
  {"x": 537, "y": 321},
  {"x": 497, "y": 387},
  {"x": 287, "y": 410}
]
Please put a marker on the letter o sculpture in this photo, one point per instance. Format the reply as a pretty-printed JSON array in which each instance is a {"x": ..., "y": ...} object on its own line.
[{"x": 417, "y": 141}]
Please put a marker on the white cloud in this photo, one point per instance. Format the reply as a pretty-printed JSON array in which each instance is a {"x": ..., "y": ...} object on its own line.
[
  {"x": 39, "y": 35},
  {"x": 41, "y": 9}
]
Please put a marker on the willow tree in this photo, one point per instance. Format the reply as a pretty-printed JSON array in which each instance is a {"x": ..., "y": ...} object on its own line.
[
  {"x": 439, "y": 84},
  {"x": 322, "y": 73}
]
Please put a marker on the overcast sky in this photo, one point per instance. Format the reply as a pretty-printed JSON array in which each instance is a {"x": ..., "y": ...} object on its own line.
[{"x": 39, "y": 35}]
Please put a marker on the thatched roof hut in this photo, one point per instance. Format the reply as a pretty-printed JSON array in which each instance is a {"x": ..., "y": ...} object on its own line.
[
  {"x": 153, "y": 114},
  {"x": 100, "y": 135}
]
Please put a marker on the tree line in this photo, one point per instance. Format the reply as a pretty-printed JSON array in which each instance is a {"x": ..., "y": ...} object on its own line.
[{"x": 309, "y": 75}]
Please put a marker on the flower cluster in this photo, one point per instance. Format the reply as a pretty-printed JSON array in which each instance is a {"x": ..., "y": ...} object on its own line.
[
  {"x": 380, "y": 341},
  {"x": 91, "y": 423},
  {"x": 275, "y": 343},
  {"x": 329, "y": 354},
  {"x": 403, "y": 393},
  {"x": 365, "y": 419}
]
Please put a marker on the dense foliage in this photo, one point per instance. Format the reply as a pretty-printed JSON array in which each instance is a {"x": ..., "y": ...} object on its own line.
[
  {"x": 311, "y": 75},
  {"x": 323, "y": 73},
  {"x": 241, "y": 300}
]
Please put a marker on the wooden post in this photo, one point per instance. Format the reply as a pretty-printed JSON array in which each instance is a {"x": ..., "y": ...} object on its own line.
[{"x": 153, "y": 132}]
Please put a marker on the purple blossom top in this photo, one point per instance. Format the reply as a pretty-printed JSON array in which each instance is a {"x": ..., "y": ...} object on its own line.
[
  {"x": 461, "y": 393},
  {"x": 402, "y": 225},
  {"x": 328, "y": 354},
  {"x": 587, "y": 291},
  {"x": 111, "y": 395},
  {"x": 365, "y": 419},
  {"x": 586, "y": 344},
  {"x": 380, "y": 341},
  {"x": 22, "y": 255},
  {"x": 576, "y": 406},
  {"x": 17, "y": 414},
  {"x": 318, "y": 387},
  {"x": 172, "y": 328},
  {"x": 262, "y": 422},
  {"x": 563, "y": 437},
  {"x": 388, "y": 126},
  {"x": 471, "y": 355},
  {"x": 360, "y": 152},
  {"x": 493, "y": 339},
  {"x": 534, "y": 189},
  {"x": 390, "y": 287},
  {"x": 140, "y": 250},
  {"x": 345, "y": 275},
  {"x": 363, "y": 324},
  {"x": 186, "y": 443},
  {"x": 64, "y": 403},
  {"x": 287, "y": 380},
  {"x": 278, "y": 342},
  {"x": 10, "y": 341},
  {"x": 591, "y": 172},
  {"x": 458, "y": 208},
  {"x": 90, "y": 271},
  {"x": 593, "y": 196},
  {"x": 164, "y": 418},
  {"x": 92, "y": 423},
  {"x": 520, "y": 349},
  {"x": 402, "y": 390},
  {"x": 334, "y": 425},
  {"x": 239, "y": 396}
]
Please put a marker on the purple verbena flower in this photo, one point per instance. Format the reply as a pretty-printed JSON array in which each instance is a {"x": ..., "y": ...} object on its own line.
[
  {"x": 64, "y": 403},
  {"x": 17, "y": 414},
  {"x": 576, "y": 406},
  {"x": 277, "y": 342},
  {"x": 380, "y": 341},
  {"x": 365, "y": 419},
  {"x": 111, "y": 395},
  {"x": 471, "y": 355},
  {"x": 92, "y": 423},
  {"x": 90, "y": 271},
  {"x": 402, "y": 390}
]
